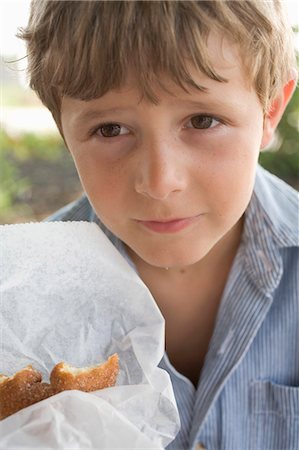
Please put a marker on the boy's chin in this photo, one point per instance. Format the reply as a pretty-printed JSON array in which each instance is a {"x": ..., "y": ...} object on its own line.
[{"x": 167, "y": 259}]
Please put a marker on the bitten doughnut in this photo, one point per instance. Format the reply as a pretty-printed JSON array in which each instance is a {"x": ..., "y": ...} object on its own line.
[
  {"x": 25, "y": 387},
  {"x": 64, "y": 377}
]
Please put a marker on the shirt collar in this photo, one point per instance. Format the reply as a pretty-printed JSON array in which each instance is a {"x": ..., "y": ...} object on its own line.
[
  {"x": 280, "y": 205},
  {"x": 271, "y": 223}
]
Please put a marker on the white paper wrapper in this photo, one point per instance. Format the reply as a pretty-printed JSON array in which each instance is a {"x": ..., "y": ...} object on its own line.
[{"x": 68, "y": 295}]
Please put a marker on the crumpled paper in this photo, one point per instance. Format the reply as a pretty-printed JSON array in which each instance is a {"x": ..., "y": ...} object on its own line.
[{"x": 66, "y": 294}]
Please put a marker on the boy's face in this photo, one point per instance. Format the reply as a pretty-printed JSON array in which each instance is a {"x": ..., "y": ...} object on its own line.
[{"x": 170, "y": 180}]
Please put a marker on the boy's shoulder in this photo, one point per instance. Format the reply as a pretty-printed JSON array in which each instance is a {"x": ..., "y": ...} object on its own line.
[
  {"x": 279, "y": 203},
  {"x": 77, "y": 210}
]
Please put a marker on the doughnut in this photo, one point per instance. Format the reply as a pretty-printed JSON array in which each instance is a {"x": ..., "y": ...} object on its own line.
[
  {"x": 64, "y": 377},
  {"x": 25, "y": 387}
]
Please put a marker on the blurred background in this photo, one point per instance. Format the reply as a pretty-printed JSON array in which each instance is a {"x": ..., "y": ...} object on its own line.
[{"x": 37, "y": 175}]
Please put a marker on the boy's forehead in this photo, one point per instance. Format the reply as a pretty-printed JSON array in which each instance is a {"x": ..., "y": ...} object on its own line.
[
  {"x": 223, "y": 53},
  {"x": 225, "y": 59}
]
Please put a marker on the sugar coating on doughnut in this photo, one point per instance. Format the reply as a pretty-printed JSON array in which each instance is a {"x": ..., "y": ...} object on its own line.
[
  {"x": 64, "y": 377},
  {"x": 22, "y": 389}
]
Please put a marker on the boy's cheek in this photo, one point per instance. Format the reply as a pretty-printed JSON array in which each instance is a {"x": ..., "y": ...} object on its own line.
[{"x": 106, "y": 188}]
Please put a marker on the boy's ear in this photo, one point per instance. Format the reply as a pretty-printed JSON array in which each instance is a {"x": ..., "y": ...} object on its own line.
[{"x": 278, "y": 106}]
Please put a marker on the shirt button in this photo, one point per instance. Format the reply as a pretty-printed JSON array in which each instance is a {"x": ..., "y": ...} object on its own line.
[{"x": 200, "y": 446}]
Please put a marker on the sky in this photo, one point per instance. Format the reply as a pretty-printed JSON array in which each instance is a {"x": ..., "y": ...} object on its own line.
[{"x": 14, "y": 13}]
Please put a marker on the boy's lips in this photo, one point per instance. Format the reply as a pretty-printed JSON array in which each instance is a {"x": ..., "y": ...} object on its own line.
[{"x": 169, "y": 226}]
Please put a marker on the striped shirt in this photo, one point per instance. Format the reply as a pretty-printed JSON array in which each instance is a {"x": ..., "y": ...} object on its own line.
[{"x": 247, "y": 397}]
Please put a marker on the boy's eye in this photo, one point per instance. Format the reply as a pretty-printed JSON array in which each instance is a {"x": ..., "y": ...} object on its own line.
[
  {"x": 202, "y": 122},
  {"x": 109, "y": 130}
]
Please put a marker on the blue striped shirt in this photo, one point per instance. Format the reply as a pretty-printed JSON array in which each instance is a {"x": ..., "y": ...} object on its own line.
[{"x": 247, "y": 397}]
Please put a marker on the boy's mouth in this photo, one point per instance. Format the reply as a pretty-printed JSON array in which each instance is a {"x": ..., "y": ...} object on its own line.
[{"x": 169, "y": 226}]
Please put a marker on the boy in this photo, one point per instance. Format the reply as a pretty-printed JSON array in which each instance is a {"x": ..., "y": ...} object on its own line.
[{"x": 164, "y": 107}]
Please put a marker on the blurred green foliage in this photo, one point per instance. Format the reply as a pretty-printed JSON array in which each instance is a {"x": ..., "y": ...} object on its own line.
[
  {"x": 11, "y": 184},
  {"x": 14, "y": 152}
]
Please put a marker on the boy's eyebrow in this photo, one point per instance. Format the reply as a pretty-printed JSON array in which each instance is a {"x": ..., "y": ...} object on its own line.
[
  {"x": 86, "y": 116},
  {"x": 211, "y": 103}
]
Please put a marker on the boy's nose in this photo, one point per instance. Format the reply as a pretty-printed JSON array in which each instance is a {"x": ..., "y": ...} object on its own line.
[{"x": 160, "y": 171}]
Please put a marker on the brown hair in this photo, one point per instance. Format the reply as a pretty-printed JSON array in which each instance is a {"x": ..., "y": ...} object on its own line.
[{"x": 83, "y": 49}]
